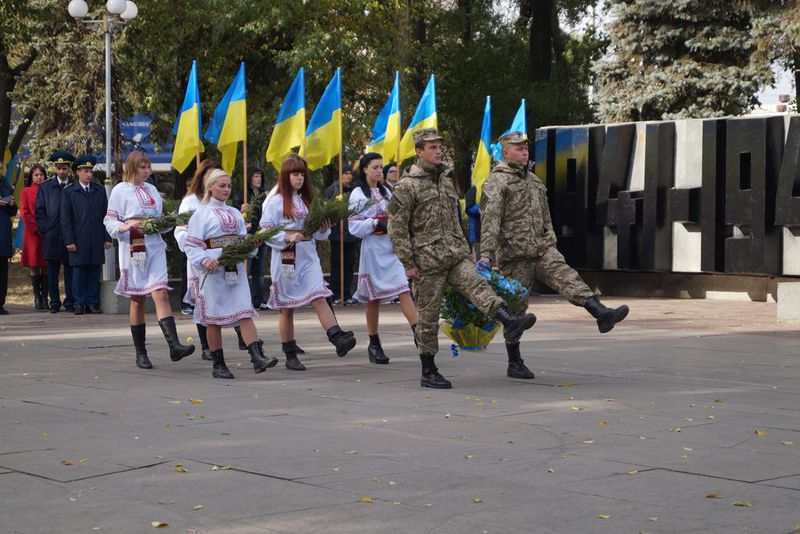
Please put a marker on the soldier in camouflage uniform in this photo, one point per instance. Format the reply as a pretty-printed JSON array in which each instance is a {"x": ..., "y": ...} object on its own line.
[
  {"x": 428, "y": 239},
  {"x": 517, "y": 237}
]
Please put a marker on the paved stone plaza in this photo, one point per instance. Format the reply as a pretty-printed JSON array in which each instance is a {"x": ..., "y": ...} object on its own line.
[{"x": 685, "y": 418}]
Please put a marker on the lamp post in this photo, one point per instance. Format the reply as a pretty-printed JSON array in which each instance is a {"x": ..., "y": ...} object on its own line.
[{"x": 118, "y": 14}]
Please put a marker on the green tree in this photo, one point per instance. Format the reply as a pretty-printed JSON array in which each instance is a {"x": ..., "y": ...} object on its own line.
[{"x": 687, "y": 58}]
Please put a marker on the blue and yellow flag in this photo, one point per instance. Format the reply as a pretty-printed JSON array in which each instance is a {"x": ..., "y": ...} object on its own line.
[
  {"x": 229, "y": 124},
  {"x": 424, "y": 117},
  {"x": 187, "y": 140},
  {"x": 519, "y": 124},
  {"x": 386, "y": 132},
  {"x": 324, "y": 133},
  {"x": 483, "y": 158},
  {"x": 290, "y": 127}
]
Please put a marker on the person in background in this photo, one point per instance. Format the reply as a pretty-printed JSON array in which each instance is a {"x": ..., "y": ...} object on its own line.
[
  {"x": 350, "y": 245},
  {"x": 32, "y": 255},
  {"x": 83, "y": 207},
  {"x": 7, "y": 210},
  {"x": 391, "y": 175},
  {"x": 48, "y": 221},
  {"x": 253, "y": 211}
]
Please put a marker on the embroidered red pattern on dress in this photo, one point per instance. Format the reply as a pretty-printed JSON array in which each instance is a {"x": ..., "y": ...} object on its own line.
[
  {"x": 376, "y": 294},
  {"x": 136, "y": 291},
  {"x": 195, "y": 242},
  {"x": 228, "y": 222},
  {"x": 276, "y": 302},
  {"x": 220, "y": 320},
  {"x": 144, "y": 197}
]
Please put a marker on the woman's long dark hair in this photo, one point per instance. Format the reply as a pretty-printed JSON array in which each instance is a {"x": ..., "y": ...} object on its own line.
[
  {"x": 292, "y": 164},
  {"x": 366, "y": 159},
  {"x": 29, "y": 177}
]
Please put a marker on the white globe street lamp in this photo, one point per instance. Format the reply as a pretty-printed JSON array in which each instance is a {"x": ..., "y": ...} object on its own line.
[
  {"x": 115, "y": 10},
  {"x": 78, "y": 9}
]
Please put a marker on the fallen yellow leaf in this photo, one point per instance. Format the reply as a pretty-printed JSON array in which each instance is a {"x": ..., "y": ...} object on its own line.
[
  {"x": 175, "y": 402},
  {"x": 180, "y": 469},
  {"x": 376, "y": 479},
  {"x": 567, "y": 385},
  {"x": 710, "y": 417},
  {"x": 551, "y": 470},
  {"x": 652, "y": 519},
  {"x": 477, "y": 500},
  {"x": 468, "y": 456},
  {"x": 603, "y": 422},
  {"x": 392, "y": 483},
  {"x": 675, "y": 429},
  {"x": 189, "y": 340},
  {"x": 196, "y": 401},
  {"x": 588, "y": 441},
  {"x": 603, "y": 516},
  {"x": 158, "y": 524},
  {"x": 633, "y": 472},
  {"x": 198, "y": 507},
  {"x": 82, "y": 461},
  {"x": 688, "y": 449},
  {"x": 367, "y": 500},
  {"x": 576, "y": 408},
  {"x": 743, "y": 504},
  {"x": 761, "y": 433},
  {"x": 715, "y": 496},
  {"x": 718, "y": 401},
  {"x": 66, "y": 462},
  {"x": 787, "y": 442}
]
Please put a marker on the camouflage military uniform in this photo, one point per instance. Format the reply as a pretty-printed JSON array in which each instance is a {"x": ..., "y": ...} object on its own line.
[
  {"x": 517, "y": 233},
  {"x": 426, "y": 233}
]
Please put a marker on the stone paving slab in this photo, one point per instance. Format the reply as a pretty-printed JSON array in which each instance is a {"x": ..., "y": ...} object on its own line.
[{"x": 498, "y": 455}]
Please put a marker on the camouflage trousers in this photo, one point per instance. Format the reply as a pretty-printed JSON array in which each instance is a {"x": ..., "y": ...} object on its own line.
[
  {"x": 552, "y": 270},
  {"x": 428, "y": 292}
]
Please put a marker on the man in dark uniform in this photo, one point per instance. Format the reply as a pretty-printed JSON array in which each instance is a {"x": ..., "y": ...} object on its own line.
[
  {"x": 83, "y": 207},
  {"x": 48, "y": 219}
]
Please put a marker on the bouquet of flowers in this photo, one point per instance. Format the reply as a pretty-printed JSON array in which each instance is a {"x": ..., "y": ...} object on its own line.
[
  {"x": 235, "y": 253},
  {"x": 164, "y": 223},
  {"x": 463, "y": 323},
  {"x": 335, "y": 210}
]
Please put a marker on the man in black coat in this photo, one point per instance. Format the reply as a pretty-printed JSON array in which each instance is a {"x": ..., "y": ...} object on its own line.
[
  {"x": 350, "y": 244},
  {"x": 7, "y": 210},
  {"x": 83, "y": 207},
  {"x": 48, "y": 219}
]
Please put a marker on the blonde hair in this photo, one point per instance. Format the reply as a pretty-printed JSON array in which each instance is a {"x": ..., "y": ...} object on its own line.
[
  {"x": 211, "y": 178},
  {"x": 135, "y": 159}
]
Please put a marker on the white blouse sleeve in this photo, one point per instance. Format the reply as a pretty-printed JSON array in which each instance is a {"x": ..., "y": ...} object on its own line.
[
  {"x": 114, "y": 215},
  {"x": 360, "y": 225},
  {"x": 195, "y": 242},
  {"x": 322, "y": 235},
  {"x": 270, "y": 218},
  {"x": 180, "y": 231}
]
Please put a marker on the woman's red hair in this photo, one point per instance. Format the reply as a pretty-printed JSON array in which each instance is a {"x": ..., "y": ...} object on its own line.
[{"x": 294, "y": 164}]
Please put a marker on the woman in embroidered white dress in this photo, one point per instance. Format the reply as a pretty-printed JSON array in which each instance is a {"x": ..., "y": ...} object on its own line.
[
  {"x": 142, "y": 258},
  {"x": 297, "y": 279},
  {"x": 222, "y": 296},
  {"x": 381, "y": 276},
  {"x": 191, "y": 202}
]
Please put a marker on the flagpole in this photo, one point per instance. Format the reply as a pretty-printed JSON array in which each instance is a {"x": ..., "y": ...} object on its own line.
[
  {"x": 341, "y": 224},
  {"x": 244, "y": 171}
]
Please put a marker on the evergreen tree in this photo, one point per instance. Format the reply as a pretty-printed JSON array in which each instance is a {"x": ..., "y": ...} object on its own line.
[{"x": 687, "y": 58}]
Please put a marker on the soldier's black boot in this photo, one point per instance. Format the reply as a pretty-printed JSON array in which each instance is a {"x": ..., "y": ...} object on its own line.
[
  {"x": 430, "y": 375},
  {"x": 293, "y": 363},
  {"x": 606, "y": 317},
  {"x": 375, "y": 350},
  {"x": 260, "y": 362},
  {"x": 202, "y": 333},
  {"x": 138, "y": 334},
  {"x": 514, "y": 325},
  {"x": 177, "y": 351},
  {"x": 219, "y": 369},
  {"x": 242, "y": 344},
  {"x": 343, "y": 341},
  {"x": 516, "y": 365}
]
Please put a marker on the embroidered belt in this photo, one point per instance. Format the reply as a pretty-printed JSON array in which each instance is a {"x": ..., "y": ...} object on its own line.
[{"x": 223, "y": 241}]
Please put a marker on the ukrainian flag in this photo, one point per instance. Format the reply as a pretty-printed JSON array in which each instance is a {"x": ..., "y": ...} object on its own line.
[
  {"x": 187, "y": 140},
  {"x": 482, "y": 158},
  {"x": 290, "y": 126},
  {"x": 229, "y": 124},
  {"x": 386, "y": 132},
  {"x": 519, "y": 124},
  {"x": 324, "y": 133},
  {"x": 424, "y": 117}
]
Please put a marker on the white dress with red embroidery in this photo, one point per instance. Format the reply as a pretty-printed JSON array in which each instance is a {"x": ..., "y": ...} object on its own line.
[
  {"x": 190, "y": 202},
  {"x": 306, "y": 283},
  {"x": 218, "y": 300},
  {"x": 129, "y": 201},
  {"x": 381, "y": 275}
]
